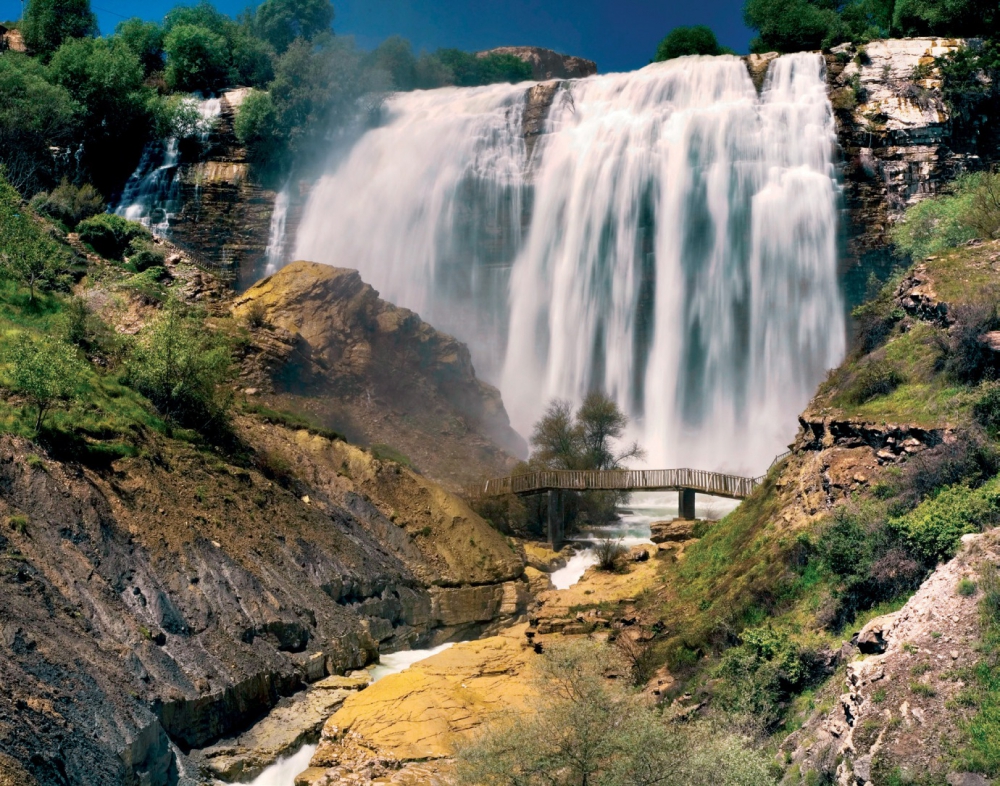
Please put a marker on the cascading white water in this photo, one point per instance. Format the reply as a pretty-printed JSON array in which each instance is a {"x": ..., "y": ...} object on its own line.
[
  {"x": 673, "y": 241},
  {"x": 274, "y": 254},
  {"x": 152, "y": 194}
]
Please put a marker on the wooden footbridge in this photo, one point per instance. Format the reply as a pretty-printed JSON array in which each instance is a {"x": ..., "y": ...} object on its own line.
[{"x": 687, "y": 482}]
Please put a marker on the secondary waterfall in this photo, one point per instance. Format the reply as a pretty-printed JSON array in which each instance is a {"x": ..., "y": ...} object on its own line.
[{"x": 671, "y": 239}]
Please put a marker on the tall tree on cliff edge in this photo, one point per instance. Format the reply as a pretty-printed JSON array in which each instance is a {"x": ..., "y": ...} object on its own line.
[
  {"x": 279, "y": 22},
  {"x": 48, "y": 23},
  {"x": 697, "y": 40}
]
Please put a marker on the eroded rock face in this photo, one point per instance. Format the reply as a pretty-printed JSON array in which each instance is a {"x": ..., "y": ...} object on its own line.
[
  {"x": 391, "y": 377},
  {"x": 546, "y": 64},
  {"x": 898, "y": 708},
  {"x": 900, "y": 139}
]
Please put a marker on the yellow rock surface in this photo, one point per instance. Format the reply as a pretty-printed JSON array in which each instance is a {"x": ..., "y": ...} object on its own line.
[{"x": 420, "y": 713}]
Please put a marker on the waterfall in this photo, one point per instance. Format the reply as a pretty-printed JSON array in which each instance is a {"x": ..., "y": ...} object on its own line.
[
  {"x": 274, "y": 254},
  {"x": 672, "y": 240},
  {"x": 152, "y": 194}
]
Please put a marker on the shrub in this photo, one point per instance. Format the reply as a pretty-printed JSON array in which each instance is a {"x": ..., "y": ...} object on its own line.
[
  {"x": 256, "y": 315},
  {"x": 760, "y": 674},
  {"x": 966, "y": 588},
  {"x": 987, "y": 410},
  {"x": 696, "y": 40},
  {"x": 143, "y": 255},
  {"x": 935, "y": 526},
  {"x": 18, "y": 523},
  {"x": 610, "y": 555},
  {"x": 878, "y": 315},
  {"x": 961, "y": 213},
  {"x": 68, "y": 203},
  {"x": 384, "y": 452},
  {"x": 110, "y": 235},
  {"x": 967, "y": 358},
  {"x": 507, "y": 514}
]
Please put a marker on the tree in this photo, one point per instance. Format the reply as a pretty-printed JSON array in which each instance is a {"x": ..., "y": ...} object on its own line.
[
  {"x": 279, "y": 22},
  {"x": 395, "y": 57},
  {"x": 197, "y": 58},
  {"x": 971, "y": 18},
  {"x": 588, "y": 730},
  {"x": 145, "y": 39},
  {"x": 681, "y": 41},
  {"x": 27, "y": 254},
  {"x": 788, "y": 25},
  {"x": 585, "y": 440},
  {"x": 44, "y": 371},
  {"x": 35, "y": 115},
  {"x": 48, "y": 23},
  {"x": 106, "y": 78},
  {"x": 256, "y": 127},
  {"x": 180, "y": 367}
]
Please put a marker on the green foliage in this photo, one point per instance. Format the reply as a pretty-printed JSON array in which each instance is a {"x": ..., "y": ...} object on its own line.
[
  {"x": 966, "y": 588},
  {"x": 68, "y": 203},
  {"x": 967, "y": 359},
  {"x": 696, "y": 40},
  {"x": 934, "y": 528},
  {"x": 610, "y": 555},
  {"x": 966, "y": 18},
  {"x": 43, "y": 371},
  {"x": 760, "y": 674},
  {"x": 508, "y": 513},
  {"x": 395, "y": 57},
  {"x": 118, "y": 111},
  {"x": 180, "y": 367},
  {"x": 27, "y": 254},
  {"x": 987, "y": 410},
  {"x": 143, "y": 255},
  {"x": 587, "y": 730},
  {"x": 876, "y": 378},
  {"x": 279, "y": 22},
  {"x": 788, "y": 25},
  {"x": 18, "y": 523},
  {"x": 586, "y": 440},
  {"x": 145, "y": 39},
  {"x": 110, "y": 235},
  {"x": 34, "y": 115},
  {"x": 197, "y": 59},
  {"x": 48, "y": 23},
  {"x": 949, "y": 219},
  {"x": 257, "y": 127},
  {"x": 470, "y": 70}
]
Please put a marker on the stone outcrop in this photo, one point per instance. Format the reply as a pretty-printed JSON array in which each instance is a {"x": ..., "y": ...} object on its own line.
[
  {"x": 546, "y": 64},
  {"x": 376, "y": 372},
  {"x": 901, "y": 140},
  {"x": 899, "y": 705}
]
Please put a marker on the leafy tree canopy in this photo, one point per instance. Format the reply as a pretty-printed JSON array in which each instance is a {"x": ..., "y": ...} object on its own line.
[
  {"x": 681, "y": 41},
  {"x": 48, "y": 23},
  {"x": 279, "y": 22},
  {"x": 44, "y": 371},
  {"x": 145, "y": 39}
]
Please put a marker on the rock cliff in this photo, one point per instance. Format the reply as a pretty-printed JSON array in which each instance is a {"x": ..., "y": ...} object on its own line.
[
  {"x": 376, "y": 372},
  {"x": 901, "y": 138}
]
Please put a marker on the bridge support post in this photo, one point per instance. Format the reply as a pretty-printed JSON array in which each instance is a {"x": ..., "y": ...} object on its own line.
[
  {"x": 685, "y": 504},
  {"x": 556, "y": 519}
]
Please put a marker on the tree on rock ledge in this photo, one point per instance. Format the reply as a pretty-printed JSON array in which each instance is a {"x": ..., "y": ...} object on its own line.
[
  {"x": 48, "y": 23},
  {"x": 697, "y": 40}
]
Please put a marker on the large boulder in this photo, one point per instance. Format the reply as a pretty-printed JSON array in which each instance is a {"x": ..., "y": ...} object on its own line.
[{"x": 380, "y": 373}]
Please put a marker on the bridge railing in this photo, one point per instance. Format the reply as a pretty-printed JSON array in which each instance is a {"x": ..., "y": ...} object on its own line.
[{"x": 713, "y": 483}]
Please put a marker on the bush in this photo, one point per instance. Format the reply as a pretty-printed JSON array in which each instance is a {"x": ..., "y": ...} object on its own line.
[
  {"x": 470, "y": 70},
  {"x": 384, "y": 452},
  {"x": 760, "y": 674},
  {"x": 69, "y": 204},
  {"x": 967, "y": 358},
  {"x": 610, "y": 555},
  {"x": 878, "y": 314},
  {"x": 506, "y": 514},
  {"x": 256, "y": 126},
  {"x": 110, "y": 235},
  {"x": 987, "y": 410},
  {"x": 934, "y": 527},
  {"x": 143, "y": 255},
  {"x": 966, "y": 588},
  {"x": 681, "y": 41}
]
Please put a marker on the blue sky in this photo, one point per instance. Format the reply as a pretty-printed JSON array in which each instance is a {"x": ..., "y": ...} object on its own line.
[{"x": 618, "y": 34}]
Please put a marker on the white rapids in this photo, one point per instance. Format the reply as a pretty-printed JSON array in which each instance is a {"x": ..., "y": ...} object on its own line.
[{"x": 673, "y": 241}]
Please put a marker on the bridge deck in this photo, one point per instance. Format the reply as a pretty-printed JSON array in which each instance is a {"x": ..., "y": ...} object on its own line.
[{"x": 713, "y": 483}]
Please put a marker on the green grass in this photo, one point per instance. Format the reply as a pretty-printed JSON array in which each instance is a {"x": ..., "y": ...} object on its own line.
[
  {"x": 384, "y": 452},
  {"x": 290, "y": 420}
]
